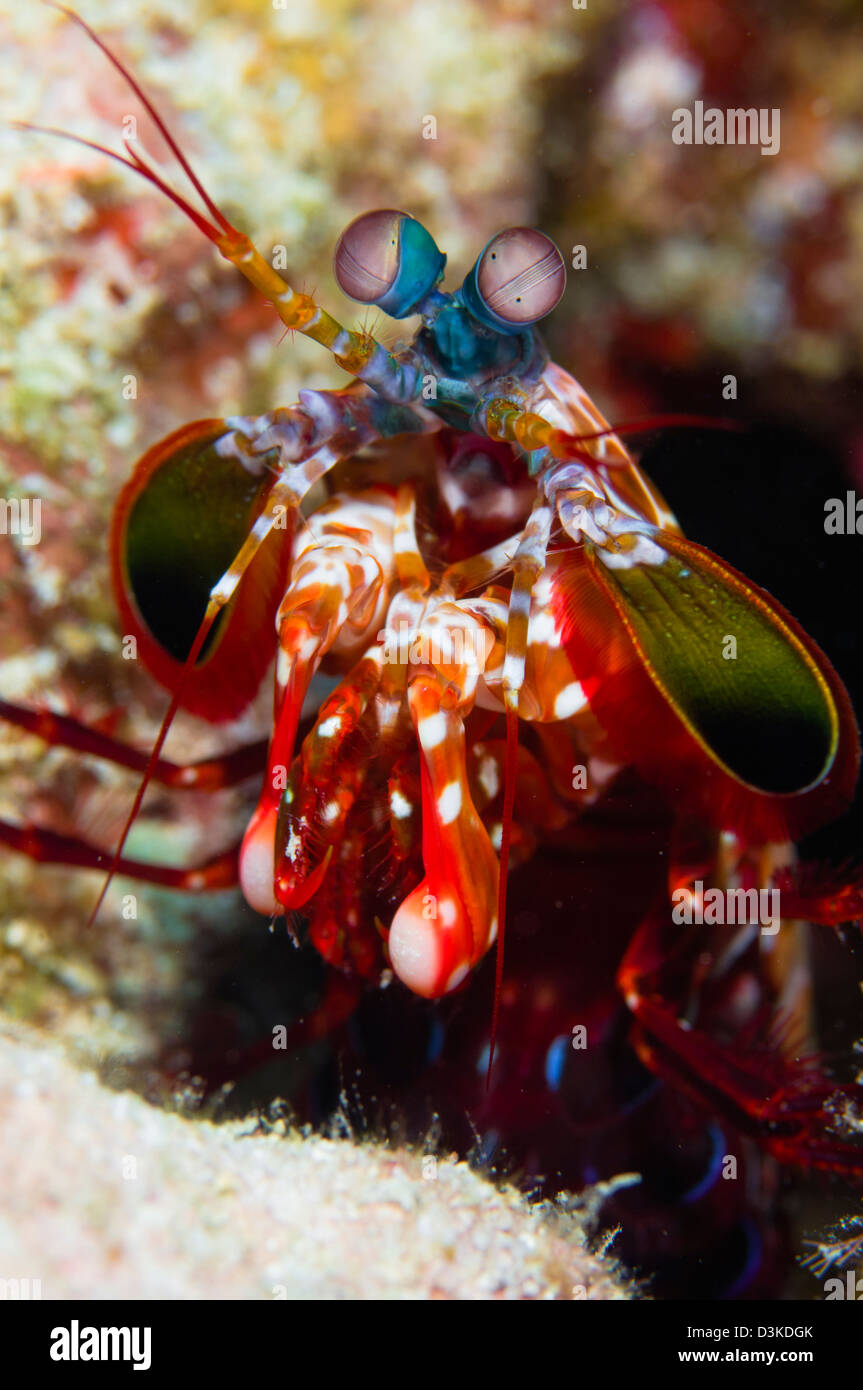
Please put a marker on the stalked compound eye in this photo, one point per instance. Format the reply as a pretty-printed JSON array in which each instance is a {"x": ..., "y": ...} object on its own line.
[
  {"x": 518, "y": 278},
  {"x": 388, "y": 259}
]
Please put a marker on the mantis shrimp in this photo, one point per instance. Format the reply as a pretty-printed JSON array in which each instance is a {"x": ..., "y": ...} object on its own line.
[{"x": 513, "y": 620}]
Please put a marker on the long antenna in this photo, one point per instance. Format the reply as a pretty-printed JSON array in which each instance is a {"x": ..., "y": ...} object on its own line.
[{"x": 509, "y": 774}]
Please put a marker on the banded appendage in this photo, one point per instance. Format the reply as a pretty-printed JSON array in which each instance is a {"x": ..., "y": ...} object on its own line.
[{"x": 358, "y": 353}]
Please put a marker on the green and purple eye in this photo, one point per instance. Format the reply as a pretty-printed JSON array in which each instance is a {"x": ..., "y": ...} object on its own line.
[
  {"x": 388, "y": 259},
  {"x": 518, "y": 278}
]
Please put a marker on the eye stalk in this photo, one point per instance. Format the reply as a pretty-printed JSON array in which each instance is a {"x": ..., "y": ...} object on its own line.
[
  {"x": 517, "y": 279},
  {"x": 388, "y": 259}
]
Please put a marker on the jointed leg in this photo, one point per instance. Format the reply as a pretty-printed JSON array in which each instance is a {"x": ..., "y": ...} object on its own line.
[
  {"x": 47, "y": 847},
  {"x": 341, "y": 568},
  {"x": 527, "y": 565},
  {"x": 308, "y": 439},
  {"x": 211, "y": 774},
  {"x": 445, "y": 926},
  {"x": 788, "y": 1105}
]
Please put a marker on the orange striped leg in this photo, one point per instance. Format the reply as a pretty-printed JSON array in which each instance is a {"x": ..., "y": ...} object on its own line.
[
  {"x": 445, "y": 926},
  {"x": 527, "y": 565},
  {"x": 338, "y": 573}
]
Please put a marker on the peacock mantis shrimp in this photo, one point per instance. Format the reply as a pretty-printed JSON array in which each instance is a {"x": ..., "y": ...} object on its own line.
[{"x": 494, "y": 676}]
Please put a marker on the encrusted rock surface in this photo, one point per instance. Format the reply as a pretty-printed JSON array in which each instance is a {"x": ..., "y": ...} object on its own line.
[{"x": 105, "y": 1196}]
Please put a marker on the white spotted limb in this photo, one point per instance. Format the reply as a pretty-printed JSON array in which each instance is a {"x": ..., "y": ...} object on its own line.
[
  {"x": 343, "y": 564},
  {"x": 446, "y": 925}
]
